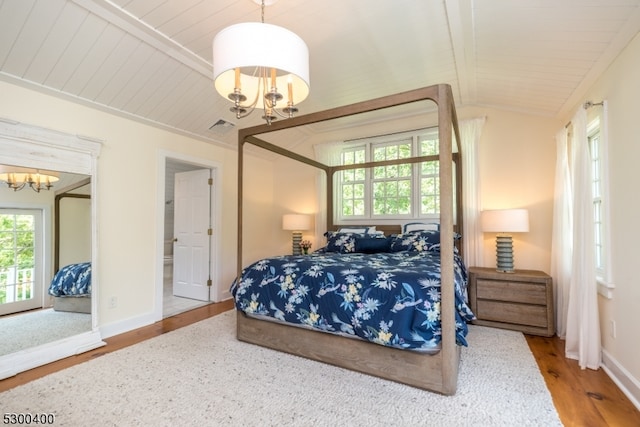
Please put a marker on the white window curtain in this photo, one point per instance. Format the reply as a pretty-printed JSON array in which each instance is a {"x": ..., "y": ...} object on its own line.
[
  {"x": 577, "y": 248},
  {"x": 470, "y": 132},
  {"x": 561, "y": 238}
]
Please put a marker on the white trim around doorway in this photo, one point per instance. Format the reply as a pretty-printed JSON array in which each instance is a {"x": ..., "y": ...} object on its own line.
[{"x": 216, "y": 197}]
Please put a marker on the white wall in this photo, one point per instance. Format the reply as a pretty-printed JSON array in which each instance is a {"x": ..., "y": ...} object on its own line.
[
  {"x": 75, "y": 230},
  {"x": 517, "y": 167},
  {"x": 620, "y": 87}
]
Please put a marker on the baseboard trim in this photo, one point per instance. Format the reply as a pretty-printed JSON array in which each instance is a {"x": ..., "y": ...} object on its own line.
[
  {"x": 126, "y": 325},
  {"x": 629, "y": 385},
  {"x": 30, "y": 358}
]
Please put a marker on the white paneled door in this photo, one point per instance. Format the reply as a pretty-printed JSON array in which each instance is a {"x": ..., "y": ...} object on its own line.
[{"x": 192, "y": 235}]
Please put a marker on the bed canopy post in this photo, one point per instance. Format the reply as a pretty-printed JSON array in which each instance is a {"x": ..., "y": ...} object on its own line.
[
  {"x": 450, "y": 360},
  {"x": 241, "y": 138},
  {"x": 329, "y": 199}
]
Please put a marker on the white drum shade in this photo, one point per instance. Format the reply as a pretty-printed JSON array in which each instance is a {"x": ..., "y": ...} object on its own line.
[{"x": 249, "y": 46}]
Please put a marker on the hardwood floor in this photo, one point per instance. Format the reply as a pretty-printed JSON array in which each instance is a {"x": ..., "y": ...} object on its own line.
[{"x": 582, "y": 397}]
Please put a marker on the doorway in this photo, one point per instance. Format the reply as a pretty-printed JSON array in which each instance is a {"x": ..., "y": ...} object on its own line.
[{"x": 173, "y": 253}]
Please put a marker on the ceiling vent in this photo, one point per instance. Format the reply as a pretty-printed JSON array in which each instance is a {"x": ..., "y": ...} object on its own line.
[{"x": 221, "y": 127}]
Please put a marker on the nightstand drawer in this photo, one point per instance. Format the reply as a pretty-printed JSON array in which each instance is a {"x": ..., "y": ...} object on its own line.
[
  {"x": 520, "y": 314},
  {"x": 527, "y": 293}
]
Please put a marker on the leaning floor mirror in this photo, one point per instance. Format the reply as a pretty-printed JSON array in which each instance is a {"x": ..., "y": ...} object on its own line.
[{"x": 48, "y": 284}]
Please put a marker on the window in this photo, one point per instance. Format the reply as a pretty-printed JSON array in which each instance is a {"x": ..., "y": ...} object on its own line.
[
  {"x": 397, "y": 191},
  {"x": 596, "y": 135},
  {"x": 429, "y": 176},
  {"x": 391, "y": 184},
  {"x": 353, "y": 183},
  {"x": 596, "y": 148}
]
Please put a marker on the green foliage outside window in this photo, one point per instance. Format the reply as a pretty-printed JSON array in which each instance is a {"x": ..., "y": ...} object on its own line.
[{"x": 17, "y": 254}]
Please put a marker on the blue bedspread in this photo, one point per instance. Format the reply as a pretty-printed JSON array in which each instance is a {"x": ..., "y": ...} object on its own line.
[
  {"x": 72, "y": 280},
  {"x": 392, "y": 299}
]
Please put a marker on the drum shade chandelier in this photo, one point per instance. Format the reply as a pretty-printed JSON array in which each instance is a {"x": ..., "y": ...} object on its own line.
[
  {"x": 259, "y": 60},
  {"x": 19, "y": 178}
]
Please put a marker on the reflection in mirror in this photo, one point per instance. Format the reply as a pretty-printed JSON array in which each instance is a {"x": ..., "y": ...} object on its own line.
[{"x": 45, "y": 257}]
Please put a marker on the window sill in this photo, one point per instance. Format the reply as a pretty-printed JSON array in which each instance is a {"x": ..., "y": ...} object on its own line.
[{"x": 605, "y": 288}]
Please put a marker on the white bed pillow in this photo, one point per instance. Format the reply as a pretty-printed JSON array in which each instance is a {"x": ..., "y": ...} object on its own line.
[
  {"x": 363, "y": 230},
  {"x": 420, "y": 226}
]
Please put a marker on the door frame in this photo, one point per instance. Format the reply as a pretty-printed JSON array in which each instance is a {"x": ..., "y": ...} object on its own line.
[{"x": 216, "y": 222}]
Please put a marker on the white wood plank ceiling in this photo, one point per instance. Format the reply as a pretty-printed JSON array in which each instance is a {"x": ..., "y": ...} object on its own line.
[{"x": 151, "y": 60}]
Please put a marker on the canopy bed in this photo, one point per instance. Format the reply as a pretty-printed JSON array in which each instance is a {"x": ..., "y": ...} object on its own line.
[{"x": 429, "y": 362}]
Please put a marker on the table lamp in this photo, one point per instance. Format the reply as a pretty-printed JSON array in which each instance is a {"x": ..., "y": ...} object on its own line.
[
  {"x": 296, "y": 223},
  {"x": 504, "y": 222}
]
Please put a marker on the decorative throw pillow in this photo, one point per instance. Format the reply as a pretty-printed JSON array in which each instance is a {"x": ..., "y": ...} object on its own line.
[
  {"x": 341, "y": 242},
  {"x": 416, "y": 241},
  {"x": 368, "y": 245}
]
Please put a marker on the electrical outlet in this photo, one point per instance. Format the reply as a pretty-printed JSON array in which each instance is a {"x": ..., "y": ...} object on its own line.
[
  {"x": 613, "y": 328},
  {"x": 113, "y": 302}
]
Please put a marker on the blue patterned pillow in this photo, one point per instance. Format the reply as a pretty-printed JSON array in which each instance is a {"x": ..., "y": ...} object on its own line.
[
  {"x": 418, "y": 241},
  {"x": 342, "y": 242}
]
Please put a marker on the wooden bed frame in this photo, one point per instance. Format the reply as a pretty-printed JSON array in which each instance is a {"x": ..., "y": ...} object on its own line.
[{"x": 438, "y": 372}]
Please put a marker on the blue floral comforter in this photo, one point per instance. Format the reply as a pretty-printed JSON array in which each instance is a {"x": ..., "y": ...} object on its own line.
[
  {"x": 72, "y": 280},
  {"x": 392, "y": 299}
]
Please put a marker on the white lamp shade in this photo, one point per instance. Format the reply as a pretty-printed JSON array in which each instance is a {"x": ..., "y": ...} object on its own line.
[
  {"x": 505, "y": 221},
  {"x": 296, "y": 222},
  {"x": 254, "y": 44}
]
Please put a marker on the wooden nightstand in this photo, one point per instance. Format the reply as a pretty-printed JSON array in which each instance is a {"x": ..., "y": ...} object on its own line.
[{"x": 522, "y": 301}]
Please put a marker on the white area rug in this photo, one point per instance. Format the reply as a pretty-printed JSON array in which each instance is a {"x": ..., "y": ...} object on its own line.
[
  {"x": 40, "y": 327},
  {"x": 201, "y": 375}
]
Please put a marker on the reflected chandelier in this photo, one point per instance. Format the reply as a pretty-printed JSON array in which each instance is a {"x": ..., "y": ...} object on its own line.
[
  {"x": 19, "y": 178},
  {"x": 261, "y": 59}
]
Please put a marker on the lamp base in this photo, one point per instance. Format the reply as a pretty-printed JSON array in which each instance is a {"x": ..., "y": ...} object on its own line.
[
  {"x": 296, "y": 238},
  {"x": 504, "y": 254}
]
